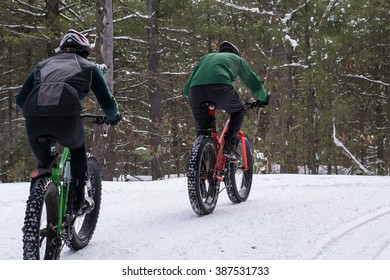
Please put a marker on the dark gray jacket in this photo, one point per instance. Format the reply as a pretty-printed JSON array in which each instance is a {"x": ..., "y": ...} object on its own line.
[{"x": 57, "y": 85}]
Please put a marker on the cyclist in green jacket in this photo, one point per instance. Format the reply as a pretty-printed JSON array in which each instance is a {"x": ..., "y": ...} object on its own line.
[{"x": 211, "y": 80}]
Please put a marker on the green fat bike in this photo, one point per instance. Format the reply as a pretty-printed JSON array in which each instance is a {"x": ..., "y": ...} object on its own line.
[{"x": 49, "y": 222}]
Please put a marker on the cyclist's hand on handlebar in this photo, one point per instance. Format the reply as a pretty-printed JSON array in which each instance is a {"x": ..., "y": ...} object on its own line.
[
  {"x": 115, "y": 121},
  {"x": 100, "y": 120},
  {"x": 259, "y": 103},
  {"x": 102, "y": 67}
]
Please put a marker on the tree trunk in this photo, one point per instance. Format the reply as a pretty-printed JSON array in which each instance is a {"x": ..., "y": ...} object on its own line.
[
  {"x": 103, "y": 147},
  {"x": 153, "y": 88},
  {"x": 53, "y": 22},
  {"x": 311, "y": 106},
  {"x": 311, "y": 135}
]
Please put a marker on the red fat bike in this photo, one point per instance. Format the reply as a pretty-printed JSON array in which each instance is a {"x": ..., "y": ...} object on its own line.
[{"x": 208, "y": 167}]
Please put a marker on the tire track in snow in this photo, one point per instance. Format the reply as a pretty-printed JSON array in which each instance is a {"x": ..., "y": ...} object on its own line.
[{"x": 336, "y": 235}]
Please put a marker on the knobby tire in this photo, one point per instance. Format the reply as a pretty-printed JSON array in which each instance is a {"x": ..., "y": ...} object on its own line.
[
  {"x": 238, "y": 181},
  {"x": 203, "y": 187},
  {"x": 84, "y": 226},
  {"x": 39, "y": 230}
]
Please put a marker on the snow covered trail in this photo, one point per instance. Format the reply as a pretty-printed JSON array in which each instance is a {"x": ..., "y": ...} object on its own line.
[
  {"x": 289, "y": 217},
  {"x": 349, "y": 241}
]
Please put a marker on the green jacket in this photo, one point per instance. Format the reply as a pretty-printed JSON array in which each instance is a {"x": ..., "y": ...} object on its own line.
[{"x": 224, "y": 68}]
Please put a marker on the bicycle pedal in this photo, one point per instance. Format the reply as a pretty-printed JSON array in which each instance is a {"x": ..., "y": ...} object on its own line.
[
  {"x": 231, "y": 154},
  {"x": 86, "y": 207},
  {"x": 232, "y": 158}
]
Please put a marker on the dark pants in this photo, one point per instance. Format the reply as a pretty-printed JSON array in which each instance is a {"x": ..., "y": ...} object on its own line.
[
  {"x": 226, "y": 98},
  {"x": 70, "y": 133}
]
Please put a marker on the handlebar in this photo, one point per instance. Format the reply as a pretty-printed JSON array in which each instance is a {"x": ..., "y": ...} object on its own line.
[
  {"x": 97, "y": 119},
  {"x": 248, "y": 105},
  {"x": 254, "y": 104}
]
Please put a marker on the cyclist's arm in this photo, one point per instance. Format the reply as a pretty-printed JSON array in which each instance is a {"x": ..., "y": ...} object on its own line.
[
  {"x": 102, "y": 92},
  {"x": 25, "y": 91},
  {"x": 249, "y": 78}
]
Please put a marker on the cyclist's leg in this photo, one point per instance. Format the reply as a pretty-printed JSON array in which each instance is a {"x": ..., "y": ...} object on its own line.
[
  {"x": 200, "y": 113},
  {"x": 79, "y": 177},
  {"x": 231, "y": 102},
  {"x": 74, "y": 139},
  {"x": 41, "y": 150},
  {"x": 70, "y": 133}
]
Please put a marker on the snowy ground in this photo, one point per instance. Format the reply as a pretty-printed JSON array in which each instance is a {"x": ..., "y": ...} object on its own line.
[{"x": 287, "y": 217}]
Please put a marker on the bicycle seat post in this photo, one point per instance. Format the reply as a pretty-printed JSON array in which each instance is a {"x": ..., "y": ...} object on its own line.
[
  {"x": 212, "y": 108},
  {"x": 53, "y": 149}
]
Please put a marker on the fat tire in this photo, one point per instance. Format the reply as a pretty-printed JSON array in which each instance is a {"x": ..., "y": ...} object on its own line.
[
  {"x": 84, "y": 226},
  {"x": 238, "y": 181},
  {"x": 203, "y": 188},
  {"x": 39, "y": 234}
]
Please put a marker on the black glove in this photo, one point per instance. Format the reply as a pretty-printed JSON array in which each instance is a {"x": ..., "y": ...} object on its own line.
[
  {"x": 115, "y": 121},
  {"x": 258, "y": 103},
  {"x": 262, "y": 103}
]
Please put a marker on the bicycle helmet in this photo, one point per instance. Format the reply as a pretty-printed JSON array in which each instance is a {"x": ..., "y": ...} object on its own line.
[
  {"x": 74, "y": 39},
  {"x": 227, "y": 46}
]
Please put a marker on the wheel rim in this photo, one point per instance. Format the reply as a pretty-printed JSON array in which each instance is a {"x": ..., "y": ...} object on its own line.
[
  {"x": 207, "y": 184},
  {"x": 43, "y": 233},
  {"x": 240, "y": 174},
  {"x": 238, "y": 181}
]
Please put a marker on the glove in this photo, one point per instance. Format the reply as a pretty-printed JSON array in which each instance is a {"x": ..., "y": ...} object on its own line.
[
  {"x": 258, "y": 103},
  {"x": 262, "y": 103},
  {"x": 115, "y": 121},
  {"x": 102, "y": 67}
]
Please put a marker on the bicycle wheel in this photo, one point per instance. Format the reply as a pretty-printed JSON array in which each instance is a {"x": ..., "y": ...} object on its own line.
[
  {"x": 84, "y": 226},
  {"x": 40, "y": 222},
  {"x": 238, "y": 181},
  {"x": 203, "y": 188}
]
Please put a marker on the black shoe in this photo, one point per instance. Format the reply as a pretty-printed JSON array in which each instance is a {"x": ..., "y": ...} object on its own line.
[
  {"x": 85, "y": 207},
  {"x": 230, "y": 152},
  {"x": 81, "y": 204}
]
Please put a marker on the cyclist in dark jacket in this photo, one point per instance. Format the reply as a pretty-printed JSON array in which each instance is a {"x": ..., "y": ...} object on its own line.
[
  {"x": 211, "y": 80},
  {"x": 50, "y": 100}
]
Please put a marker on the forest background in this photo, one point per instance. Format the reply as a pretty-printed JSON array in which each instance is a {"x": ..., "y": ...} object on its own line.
[{"x": 325, "y": 64}]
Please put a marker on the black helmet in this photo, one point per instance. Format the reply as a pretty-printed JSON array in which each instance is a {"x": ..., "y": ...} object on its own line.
[
  {"x": 74, "y": 39},
  {"x": 227, "y": 46}
]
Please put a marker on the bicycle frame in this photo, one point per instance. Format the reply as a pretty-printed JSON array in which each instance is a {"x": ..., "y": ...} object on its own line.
[
  {"x": 50, "y": 221},
  {"x": 221, "y": 161},
  {"x": 56, "y": 171},
  {"x": 63, "y": 191}
]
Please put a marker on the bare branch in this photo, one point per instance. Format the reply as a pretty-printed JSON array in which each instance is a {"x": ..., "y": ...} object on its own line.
[
  {"x": 31, "y": 6},
  {"x": 367, "y": 79},
  {"x": 245, "y": 9}
]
